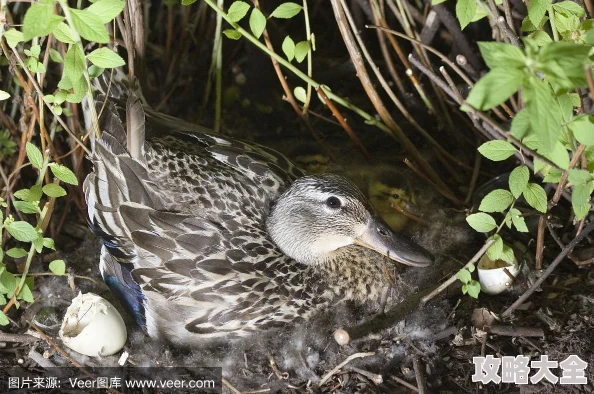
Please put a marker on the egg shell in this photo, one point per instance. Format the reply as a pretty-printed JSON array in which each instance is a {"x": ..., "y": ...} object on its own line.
[
  {"x": 492, "y": 276},
  {"x": 93, "y": 327}
]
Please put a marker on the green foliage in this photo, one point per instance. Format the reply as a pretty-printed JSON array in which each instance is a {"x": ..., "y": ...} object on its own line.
[
  {"x": 23, "y": 238},
  {"x": 470, "y": 286},
  {"x": 105, "y": 58},
  {"x": 238, "y": 10},
  {"x": 286, "y": 10},
  {"x": 257, "y": 22},
  {"x": 58, "y": 267},
  {"x": 497, "y": 200},
  {"x": 497, "y": 150},
  {"x": 481, "y": 222},
  {"x": 465, "y": 11},
  {"x": 288, "y": 48},
  {"x": 548, "y": 70}
]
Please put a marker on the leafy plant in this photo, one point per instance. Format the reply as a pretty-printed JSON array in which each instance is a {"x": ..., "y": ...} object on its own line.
[
  {"x": 31, "y": 201},
  {"x": 35, "y": 204},
  {"x": 469, "y": 285}
]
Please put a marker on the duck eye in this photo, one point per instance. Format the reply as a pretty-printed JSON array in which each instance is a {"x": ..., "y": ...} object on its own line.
[
  {"x": 396, "y": 196},
  {"x": 333, "y": 202}
]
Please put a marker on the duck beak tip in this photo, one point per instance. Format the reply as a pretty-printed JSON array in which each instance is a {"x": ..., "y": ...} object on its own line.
[{"x": 379, "y": 237}]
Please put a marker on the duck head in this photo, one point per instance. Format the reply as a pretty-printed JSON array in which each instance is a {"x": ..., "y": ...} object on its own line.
[{"x": 318, "y": 215}]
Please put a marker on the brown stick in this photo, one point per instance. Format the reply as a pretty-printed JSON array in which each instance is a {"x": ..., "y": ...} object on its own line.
[
  {"x": 383, "y": 112},
  {"x": 549, "y": 270},
  {"x": 511, "y": 331},
  {"x": 340, "y": 118}
]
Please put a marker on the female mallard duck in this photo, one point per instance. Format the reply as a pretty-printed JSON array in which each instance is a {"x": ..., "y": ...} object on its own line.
[{"x": 209, "y": 237}]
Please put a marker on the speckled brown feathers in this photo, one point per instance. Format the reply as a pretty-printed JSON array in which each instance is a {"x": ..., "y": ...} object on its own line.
[{"x": 183, "y": 215}]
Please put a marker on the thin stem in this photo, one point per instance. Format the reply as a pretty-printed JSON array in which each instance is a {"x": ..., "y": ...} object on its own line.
[
  {"x": 309, "y": 56},
  {"x": 304, "y": 77}
]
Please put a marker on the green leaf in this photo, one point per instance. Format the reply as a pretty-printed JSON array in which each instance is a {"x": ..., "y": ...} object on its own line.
[
  {"x": 495, "y": 88},
  {"x": 582, "y": 127},
  {"x": 288, "y": 48},
  {"x": 53, "y": 190},
  {"x": 563, "y": 64},
  {"x": 474, "y": 289},
  {"x": 74, "y": 64},
  {"x": 532, "y": 142},
  {"x": 481, "y": 222},
  {"x": 463, "y": 276},
  {"x": 63, "y": 173},
  {"x": 35, "y": 65},
  {"x": 95, "y": 71},
  {"x": 64, "y": 33},
  {"x": 569, "y": 8},
  {"x": 105, "y": 58},
  {"x": 544, "y": 113},
  {"x": 39, "y": 20},
  {"x": 580, "y": 201},
  {"x": 80, "y": 89},
  {"x": 494, "y": 251},
  {"x": 30, "y": 195},
  {"x": 25, "y": 294},
  {"x": 49, "y": 243},
  {"x": 106, "y": 10},
  {"x": 579, "y": 177},
  {"x": 55, "y": 56},
  {"x": 559, "y": 156},
  {"x": 8, "y": 283},
  {"x": 496, "y": 201},
  {"x": 301, "y": 50},
  {"x": 518, "y": 179},
  {"x": 13, "y": 37},
  {"x": 16, "y": 253},
  {"x": 26, "y": 207},
  {"x": 497, "y": 150},
  {"x": 232, "y": 34},
  {"x": 3, "y": 319},
  {"x": 300, "y": 94},
  {"x": 58, "y": 267},
  {"x": 286, "y": 10},
  {"x": 518, "y": 220},
  {"x": 34, "y": 155},
  {"x": 499, "y": 54},
  {"x": 540, "y": 38},
  {"x": 465, "y": 10},
  {"x": 537, "y": 10},
  {"x": 507, "y": 255},
  {"x": 22, "y": 231},
  {"x": 89, "y": 26},
  {"x": 553, "y": 176},
  {"x": 536, "y": 197},
  {"x": 237, "y": 11},
  {"x": 35, "y": 50},
  {"x": 257, "y": 22}
]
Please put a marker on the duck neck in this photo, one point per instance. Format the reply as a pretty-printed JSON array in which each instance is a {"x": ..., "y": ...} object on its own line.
[{"x": 351, "y": 273}]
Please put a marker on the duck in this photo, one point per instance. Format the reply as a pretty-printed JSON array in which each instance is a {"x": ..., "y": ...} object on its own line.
[{"x": 208, "y": 238}]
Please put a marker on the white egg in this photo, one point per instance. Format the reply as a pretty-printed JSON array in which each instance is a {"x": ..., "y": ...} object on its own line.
[
  {"x": 93, "y": 327},
  {"x": 492, "y": 276}
]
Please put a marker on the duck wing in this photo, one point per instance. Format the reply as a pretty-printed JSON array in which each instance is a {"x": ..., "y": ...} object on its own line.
[{"x": 182, "y": 217}]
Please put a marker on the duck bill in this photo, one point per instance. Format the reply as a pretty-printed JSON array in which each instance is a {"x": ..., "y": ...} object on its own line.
[{"x": 379, "y": 237}]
